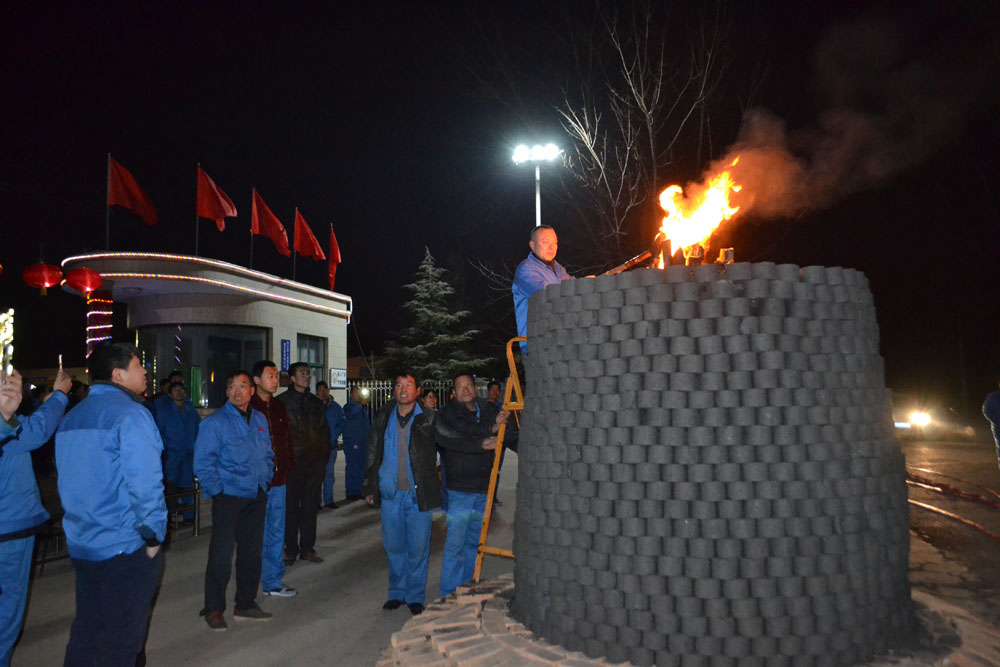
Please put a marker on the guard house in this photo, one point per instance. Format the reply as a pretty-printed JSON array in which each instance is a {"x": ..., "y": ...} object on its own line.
[{"x": 206, "y": 317}]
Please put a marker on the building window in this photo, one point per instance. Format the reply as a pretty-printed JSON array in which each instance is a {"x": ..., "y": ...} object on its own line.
[
  {"x": 312, "y": 350},
  {"x": 204, "y": 355}
]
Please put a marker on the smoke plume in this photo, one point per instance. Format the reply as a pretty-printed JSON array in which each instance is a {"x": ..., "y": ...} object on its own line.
[{"x": 894, "y": 94}]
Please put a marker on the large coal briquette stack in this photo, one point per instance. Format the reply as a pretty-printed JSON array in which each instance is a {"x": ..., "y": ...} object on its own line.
[{"x": 708, "y": 473}]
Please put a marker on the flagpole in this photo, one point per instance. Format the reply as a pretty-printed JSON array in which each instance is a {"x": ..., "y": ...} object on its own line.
[
  {"x": 107, "y": 209},
  {"x": 296, "y": 219},
  {"x": 251, "y": 228},
  {"x": 196, "y": 209}
]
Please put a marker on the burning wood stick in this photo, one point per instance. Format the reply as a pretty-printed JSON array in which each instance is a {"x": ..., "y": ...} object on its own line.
[{"x": 659, "y": 243}]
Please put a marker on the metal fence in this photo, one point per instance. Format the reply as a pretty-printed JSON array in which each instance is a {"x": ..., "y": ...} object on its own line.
[{"x": 380, "y": 391}]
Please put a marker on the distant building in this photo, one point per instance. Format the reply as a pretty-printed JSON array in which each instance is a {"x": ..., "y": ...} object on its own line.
[{"x": 205, "y": 318}]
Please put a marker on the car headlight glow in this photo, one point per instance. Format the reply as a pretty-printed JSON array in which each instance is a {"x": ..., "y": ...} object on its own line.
[{"x": 920, "y": 418}]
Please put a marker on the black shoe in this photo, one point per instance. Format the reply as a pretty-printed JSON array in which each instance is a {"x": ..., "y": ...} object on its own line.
[
  {"x": 496, "y": 502},
  {"x": 352, "y": 498},
  {"x": 331, "y": 505},
  {"x": 392, "y": 604},
  {"x": 416, "y": 608}
]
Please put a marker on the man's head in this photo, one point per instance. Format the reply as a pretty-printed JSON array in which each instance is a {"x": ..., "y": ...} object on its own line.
[
  {"x": 165, "y": 385},
  {"x": 117, "y": 363},
  {"x": 323, "y": 392},
  {"x": 239, "y": 388},
  {"x": 544, "y": 243},
  {"x": 175, "y": 376},
  {"x": 265, "y": 376},
  {"x": 493, "y": 391},
  {"x": 300, "y": 376},
  {"x": 465, "y": 388},
  {"x": 177, "y": 392},
  {"x": 355, "y": 394},
  {"x": 404, "y": 390}
]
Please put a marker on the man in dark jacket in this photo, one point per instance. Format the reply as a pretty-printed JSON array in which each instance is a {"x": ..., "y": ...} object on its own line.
[
  {"x": 401, "y": 478},
  {"x": 466, "y": 430},
  {"x": 265, "y": 377},
  {"x": 311, "y": 449}
]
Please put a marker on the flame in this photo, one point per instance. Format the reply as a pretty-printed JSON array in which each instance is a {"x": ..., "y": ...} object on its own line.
[{"x": 690, "y": 223}]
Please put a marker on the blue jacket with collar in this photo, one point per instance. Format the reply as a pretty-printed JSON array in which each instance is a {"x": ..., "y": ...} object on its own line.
[
  {"x": 532, "y": 275},
  {"x": 232, "y": 456},
  {"x": 178, "y": 431},
  {"x": 355, "y": 426},
  {"x": 20, "y": 503},
  {"x": 110, "y": 476}
]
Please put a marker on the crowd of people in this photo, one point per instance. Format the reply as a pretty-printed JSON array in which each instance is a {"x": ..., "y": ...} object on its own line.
[{"x": 265, "y": 459}]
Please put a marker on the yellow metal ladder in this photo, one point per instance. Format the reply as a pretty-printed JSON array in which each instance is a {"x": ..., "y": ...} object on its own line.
[{"x": 513, "y": 401}]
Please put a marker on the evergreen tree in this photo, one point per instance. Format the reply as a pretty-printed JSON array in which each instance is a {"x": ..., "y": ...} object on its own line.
[{"x": 438, "y": 342}]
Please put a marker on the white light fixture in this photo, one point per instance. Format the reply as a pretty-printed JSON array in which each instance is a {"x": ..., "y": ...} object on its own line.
[{"x": 537, "y": 154}]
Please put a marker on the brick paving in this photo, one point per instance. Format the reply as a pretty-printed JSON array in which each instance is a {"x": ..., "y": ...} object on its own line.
[{"x": 473, "y": 626}]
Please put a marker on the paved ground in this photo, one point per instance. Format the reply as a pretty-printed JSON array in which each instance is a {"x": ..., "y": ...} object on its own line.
[{"x": 337, "y": 619}]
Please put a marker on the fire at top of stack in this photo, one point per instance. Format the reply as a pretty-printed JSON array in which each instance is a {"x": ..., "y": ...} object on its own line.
[{"x": 691, "y": 218}]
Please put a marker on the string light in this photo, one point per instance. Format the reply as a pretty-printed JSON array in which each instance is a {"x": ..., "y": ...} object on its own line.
[
  {"x": 239, "y": 288},
  {"x": 266, "y": 277}
]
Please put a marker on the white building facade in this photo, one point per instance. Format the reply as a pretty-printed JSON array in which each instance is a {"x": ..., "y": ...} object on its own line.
[{"x": 205, "y": 318}]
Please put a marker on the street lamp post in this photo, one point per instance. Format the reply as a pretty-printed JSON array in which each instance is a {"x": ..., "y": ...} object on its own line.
[{"x": 537, "y": 154}]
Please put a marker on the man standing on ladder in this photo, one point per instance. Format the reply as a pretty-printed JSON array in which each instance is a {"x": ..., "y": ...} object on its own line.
[{"x": 539, "y": 270}]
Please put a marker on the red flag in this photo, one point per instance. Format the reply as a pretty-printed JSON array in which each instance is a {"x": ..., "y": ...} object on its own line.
[
  {"x": 124, "y": 191},
  {"x": 334, "y": 257},
  {"x": 261, "y": 217},
  {"x": 213, "y": 203},
  {"x": 305, "y": 243}
]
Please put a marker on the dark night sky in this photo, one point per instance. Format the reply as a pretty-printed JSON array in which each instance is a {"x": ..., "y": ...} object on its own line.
[{"x": 373, "y": 116}]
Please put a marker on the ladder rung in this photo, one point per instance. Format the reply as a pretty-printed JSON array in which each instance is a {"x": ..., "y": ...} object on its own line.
[{"x": 496, "y": 551}]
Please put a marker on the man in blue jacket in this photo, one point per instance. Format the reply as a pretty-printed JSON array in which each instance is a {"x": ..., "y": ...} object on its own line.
[
  {"x": 21, "y": 513},
  {"x": 401, "y": 478},
  {"x": 355, "y": 430},
  {"x": 111, "y": 486},
  {"x": 178, "y": 422},
  {"x": 234, "y": 463},
  {"x": 539, "y": 270},
  {"x": 335, "y": 418}
]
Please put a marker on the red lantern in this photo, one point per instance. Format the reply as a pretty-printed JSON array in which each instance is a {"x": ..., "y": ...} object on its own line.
[
  {"x": 85, "y": 280},
  {"x": 42, "y": 276}
]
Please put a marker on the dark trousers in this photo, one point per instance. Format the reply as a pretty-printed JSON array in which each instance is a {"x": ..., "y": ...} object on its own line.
[
  {"x": 113, "y": 603},
  {"x": 236, "y": 522},
  {"x": 304, "y": 484}
]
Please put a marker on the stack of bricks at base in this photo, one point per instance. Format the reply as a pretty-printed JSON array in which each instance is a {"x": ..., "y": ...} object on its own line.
[{"x": 708, "y": 470}]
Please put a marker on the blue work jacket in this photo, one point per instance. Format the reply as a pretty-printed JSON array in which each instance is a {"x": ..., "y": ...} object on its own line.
[
  {"x": 356, "y": 426},
  {"x": 532, "y": 275},
  {"x": 179, "y": 431},
  {"x": 20, "y": 503},
  {"x": 110, "y": 476},
  {"x": 232, "y": 456},
  {"x": 335, "y": 418}
]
